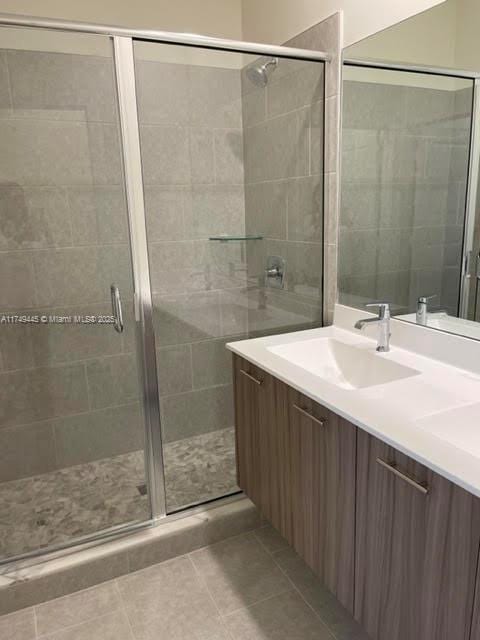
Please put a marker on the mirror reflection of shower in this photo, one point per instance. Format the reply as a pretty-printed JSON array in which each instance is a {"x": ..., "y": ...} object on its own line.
[{"x": 259, "y": 73}]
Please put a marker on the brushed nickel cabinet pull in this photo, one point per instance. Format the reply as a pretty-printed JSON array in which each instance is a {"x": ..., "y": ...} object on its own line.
[
  {"x": 250, "y": 377},
  {"x": 321, "y": 421},
  {"x": 392, "y": 467}
]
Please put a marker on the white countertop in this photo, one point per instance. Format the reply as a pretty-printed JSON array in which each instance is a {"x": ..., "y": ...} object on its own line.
[
  {"x": 444, "y": 322},
  {"x": 433, "y": 416}
]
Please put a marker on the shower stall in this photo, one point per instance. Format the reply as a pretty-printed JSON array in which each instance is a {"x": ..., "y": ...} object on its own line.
[{"x": 160, "y": 195}]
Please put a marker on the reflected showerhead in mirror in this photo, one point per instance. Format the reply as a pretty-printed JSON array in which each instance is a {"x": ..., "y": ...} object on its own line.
[{"x": 259, "y": 73}]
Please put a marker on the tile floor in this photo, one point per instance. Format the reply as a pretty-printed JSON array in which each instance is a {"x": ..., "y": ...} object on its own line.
[
  {"x": 56, "y": 507},
  {"x": 251, "y": 587}
]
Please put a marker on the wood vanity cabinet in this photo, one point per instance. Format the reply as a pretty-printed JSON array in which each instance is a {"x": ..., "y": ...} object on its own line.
[
  {"x": 296, "y": 462},
  {"x": 417, "y": 543},
  {"x": 396, "y": 543}
]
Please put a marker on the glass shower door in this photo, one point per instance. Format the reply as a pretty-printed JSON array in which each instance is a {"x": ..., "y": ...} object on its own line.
[
  {"x": 71, "y": 421},
  {"x": 229, "y": 143}
]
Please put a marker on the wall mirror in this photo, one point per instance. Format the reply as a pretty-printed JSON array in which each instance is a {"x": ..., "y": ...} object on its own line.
[{"x": 409, "y": 220}]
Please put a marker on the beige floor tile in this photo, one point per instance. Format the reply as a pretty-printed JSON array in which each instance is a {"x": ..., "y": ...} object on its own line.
[
  {"x": 112, "y": 626},
  {"x": 283, "y": 617},
  {"x": 335, "y": 616},
  {"x": 271, "y": 539},
  {"x": 166, "y": 592},
  {"x": 18, "y": 626},
  {"x": 239, "y": 572},
  {"x": 183, "y": 628},
  {"x": 77, "y": 608}
]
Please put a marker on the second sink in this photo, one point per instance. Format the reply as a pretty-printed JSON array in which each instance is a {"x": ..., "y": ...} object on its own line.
[{"x": 341, "y": 364}]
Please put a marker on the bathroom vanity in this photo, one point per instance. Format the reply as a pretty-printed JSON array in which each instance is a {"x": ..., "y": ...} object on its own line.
[{"x": 337, "y": 446}]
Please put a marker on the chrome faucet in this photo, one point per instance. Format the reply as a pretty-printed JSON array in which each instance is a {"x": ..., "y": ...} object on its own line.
[
  {"x": 383, "y": 321},
  {"x": 422, "y": 309}
]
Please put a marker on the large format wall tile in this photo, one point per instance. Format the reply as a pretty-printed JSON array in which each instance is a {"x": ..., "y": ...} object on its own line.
[
  {"x": 165, "y": 154},
  {"x": 305, "y": 209},
  {"x": 39, "y": 394},
  {"x": 26, "y": 451},
  {"x": 162, "y": 92},
  {"x": 5, "y": 93},
  {"x": 367, "y": 105},
  {"x": 81, "y": 275},
  {"x": 229, "y": 156},
  {"x": 105, "y": 153},
  {"x": 295, "y": 84},
  {"x": 63, "y": 83},
  {"x": 165, "y": 208},
  {"x": 112, "y": 380},
  {"x": 215, "y": 98},
  {"x": 266, "y": 204},
  {"x": 277, "y": 148},
  {"x": 98, "y": 215},
  {"x": 174, "y": 369},
  {"x": 38, "y": 152},
  {"x": 215, "y": 210},
  {"x": 186, "y": 318},
  {"x": 18, "y": 281},
  {"x": 16, "y": 346},
  {"x": 57, "y": 343},
  {"x": 212, "y": 363},
  {"x": 68, "y": 276},
  {"x": 195, "y": 412},
  {"x": 33, "y": 217},
  {"x": 98, "y": 434},
  {"x": 202, "y": 148}
]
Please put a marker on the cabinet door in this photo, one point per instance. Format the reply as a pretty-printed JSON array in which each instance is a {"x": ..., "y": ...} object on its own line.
[
  {"x": 416, "y": 548},
  {"x": 248, "y": 390},
  {"x": 261, "y": 428},
  {"x": 323, "y": 479}
]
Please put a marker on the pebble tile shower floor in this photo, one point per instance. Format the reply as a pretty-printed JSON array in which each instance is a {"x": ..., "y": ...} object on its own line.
[
  {"x": 55, "y": 507},
  {"x": 250, "y": 587}
]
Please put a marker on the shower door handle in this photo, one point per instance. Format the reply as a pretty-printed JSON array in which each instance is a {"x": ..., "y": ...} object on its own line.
[{"x": 116, "y": 308}]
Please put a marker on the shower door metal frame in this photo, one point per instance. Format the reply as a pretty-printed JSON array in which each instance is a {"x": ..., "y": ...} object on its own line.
[
  {"x": 143, "y": 307},
  {"x": 123, "y": 56},
  {"x": 469, "y": 263},
  {"x": 468, "y": 266}
]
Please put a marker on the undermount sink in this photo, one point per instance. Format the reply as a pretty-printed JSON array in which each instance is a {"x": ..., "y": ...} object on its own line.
[{"x": 341, "y": 364}]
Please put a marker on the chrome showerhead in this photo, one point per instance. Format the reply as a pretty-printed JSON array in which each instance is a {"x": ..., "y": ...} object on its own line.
[{"x": 258, "y": 73}]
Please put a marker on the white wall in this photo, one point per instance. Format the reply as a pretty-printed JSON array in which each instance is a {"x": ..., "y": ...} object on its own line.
[
  {"x": 467, "y": 51},
  {"x": 277, "y": 21},
  {"x": 444, "y": 36},
  {"x": 428, "y": 36},
  {"x": 208, "y": 17}
]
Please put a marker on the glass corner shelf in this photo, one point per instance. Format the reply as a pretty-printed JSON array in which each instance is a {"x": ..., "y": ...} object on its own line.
[{"x": 234, "y": 238}]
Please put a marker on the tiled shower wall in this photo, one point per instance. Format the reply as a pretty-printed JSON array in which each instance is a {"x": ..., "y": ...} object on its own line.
[
  {"x": 405, "y": 154},
  {"x": 68, "y": 394},
  {"x": 283, "y": 142},
  {"x": 327, "y": 36},
  {"x": 192, "y": 153},
  {"x": 291, "y": 186}
]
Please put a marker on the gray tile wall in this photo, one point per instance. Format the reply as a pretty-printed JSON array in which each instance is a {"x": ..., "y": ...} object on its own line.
[
  {"x": 69, "y": 394},
  {"x": 283, "y": 151},
  {"x": 192, "y": 153},
  {"x": 405, "y": 154},
  {"x": 326, "y": 36}
]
